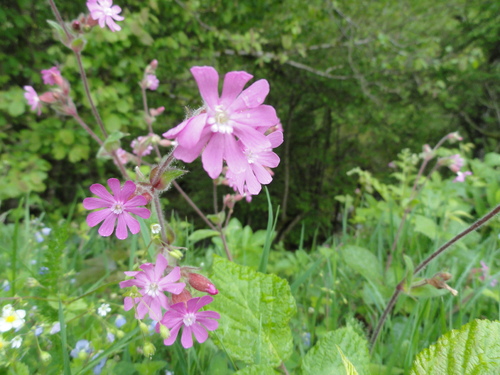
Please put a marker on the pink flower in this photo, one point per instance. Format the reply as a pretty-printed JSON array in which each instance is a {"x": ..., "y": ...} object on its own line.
[
  {"x": 52, "y": 76},
  {"x": 105, "y": 13},
  {"x": 122, "y": 156},
  {"x": 33, "y": 99},
  {"x": 257, "y": 172},
  {"x": 214, "y": 129},
  {"x": 151, "y": 82},
  {"x": 152, "y": 285},
  {"x": 186, "y": 314},
  {"x": 119, "y": 206},
  {"x": 461, "y": 176},
  {"x": 142, "y": 146},
  {"x": 456, "y": 163}
]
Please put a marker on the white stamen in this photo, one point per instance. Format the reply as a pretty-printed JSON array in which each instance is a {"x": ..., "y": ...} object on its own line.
[
  {"x": 153, "y": 290},
  {"x": 189, "y": 319},
  {"x": 117, "y": 208}
]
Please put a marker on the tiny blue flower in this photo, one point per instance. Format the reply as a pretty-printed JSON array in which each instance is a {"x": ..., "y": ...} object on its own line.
[
  {"x": 120, "y": 321},
  {"x": 43, "y": 270},
  {"x": 98, "y": 368},
  {"x": 38, "y": 330},
  {"x": 110, "y": 337},
  {"x": 81, "y": 346}
]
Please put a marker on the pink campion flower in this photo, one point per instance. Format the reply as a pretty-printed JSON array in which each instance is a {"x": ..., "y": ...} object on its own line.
[
  {"x": 142, "y": 146},
  {"x": 106, "y": 13},
  {"x": 456, "y": 163},
  {"x": 33, "y": 99},
  {"x": 151, "y": 82},
  {"x": 117, "y": 207},
  {"x": 186, "y": 314},
  {"x": 152, "y": 285},
  {"x": 257, "y": 172},
  {"x": 461, "y": 176},
  {"x": 214, "y": 129},
  {"x": 122, "y": 156},
  {"x": 52, "y": 76}
]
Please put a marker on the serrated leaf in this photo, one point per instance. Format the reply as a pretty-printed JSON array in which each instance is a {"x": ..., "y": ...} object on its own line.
[
  {"x": 257, "y": 370},
  {"x": 255, "y": 312},
  {"x": 473, "y": 349},
  {"x": 348, "y": 366},
  {"x": 364, "y": 262},
  {"x": 324, "y": 359}
]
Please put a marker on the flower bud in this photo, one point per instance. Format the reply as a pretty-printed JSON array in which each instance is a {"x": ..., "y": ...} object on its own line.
[
  {"x": 120, "y": 334},
  {"x": 201, "y": 283},
  {"x": 164, "y": 332},
  {"x": 454, "y": 137},
  {"x": 149, "y": 349},
  {"x": 151, "y": 68},
  {"x": 184, "y": 296},
  {"x": 76, "y": 26},
  {"x": 177, "y": 254},
  {"x": 156, "y": 111},
  {"x": 45, "y": 357},
  {"x": 82, "y": 354},
  {"x": 48, "y": 97},
  {"x": 144, "y": 328}
]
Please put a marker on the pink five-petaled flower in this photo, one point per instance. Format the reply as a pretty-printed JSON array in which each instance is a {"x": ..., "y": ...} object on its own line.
[
  {"x": 33, "y": 99},
  {"x": 52, "y": 76},
  {"x": 257, "y": 172},
  {"x": 235, "y": 113},
  {"x": 105, "y": 13},
  {"x": 119, "y": 206},
  {"x": 152, "y": 285},
  {"x": 186, "y": 314},
  {"x": 461, "y": 176},
  {"x": 456, "y": 163},
  {"x": 151, "y": 82}
]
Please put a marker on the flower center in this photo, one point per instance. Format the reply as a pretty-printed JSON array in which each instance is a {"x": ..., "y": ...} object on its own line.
[
  {"x": 251, "y": 157},
  {"x": 220, "y": 121},
  {"x": 10, "y": 319},
  {"x": 152, "y": 290},
  {"x": 189, "y": 319},
  {"x": 107, "y": 11},
  {"x": 117, "y": 208}
]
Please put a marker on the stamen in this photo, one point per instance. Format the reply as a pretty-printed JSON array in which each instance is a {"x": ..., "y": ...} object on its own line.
[{"x": 189, "y": 319}]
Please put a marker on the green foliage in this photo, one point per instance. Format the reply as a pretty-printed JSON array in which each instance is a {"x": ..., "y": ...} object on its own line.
[
  {"x": 255, "y": 311},
  {"x": 472, "y": 349},
  {"x": 328, "y": 356}
]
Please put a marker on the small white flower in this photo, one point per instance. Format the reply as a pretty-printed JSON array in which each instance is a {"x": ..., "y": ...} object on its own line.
[
  {"x": 16, "y": 342},
  {"x": 155, "y": 228},
  {"x": 11, "y": 318},
  {"x": 104, "y": 309}
]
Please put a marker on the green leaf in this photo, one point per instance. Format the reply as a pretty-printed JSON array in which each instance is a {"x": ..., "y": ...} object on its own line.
[
  {"x": 149, "y": 367},
  {"x": 16, "y": 108},
  {"x": 364, "y": 262},
  {"x": 18, "y": 368},
  {"x": 324, "y": 359},
  {"x": 348, "y": 366},
  {"x": 110, "y": 144},
  {"x": 426, "y": 226},
  {"x": 257, "y": 370},
  {"x": 201, "y": 234},
  {"x": 472, "y": 349},
  {"x": 255, "y": 312}
]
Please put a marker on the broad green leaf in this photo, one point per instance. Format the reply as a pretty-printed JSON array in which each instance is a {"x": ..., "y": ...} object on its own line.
[
  {"x": 201, "y": 234},
  {"x": 324, "y": 358},
  {"x": 255, "y": 312},
  {"x": 473, "y": 349},
  {"x": 363, "y": 261},
  {"x": 348, "y": 366},
  {"x": 148, "y": 367},
  {"x": 257, "y": 370},
  {"x": 426, "y": 226}
]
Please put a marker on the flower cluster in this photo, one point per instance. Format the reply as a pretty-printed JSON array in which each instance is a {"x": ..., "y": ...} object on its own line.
[
  {"x": 231, "y": 128},
  {"x": 181, "y": 311},
  {"x": 456, "y": 163}
]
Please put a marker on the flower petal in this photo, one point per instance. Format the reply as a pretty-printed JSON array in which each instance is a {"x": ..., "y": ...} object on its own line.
[
  {"x": 207, "y": 79},
  {"x": 101, "y": 192},
  {"x": 212, "y": 155},
  {"x": 236, "y": 160},
  {"x": 161, "y": 264},
  {"x": 252, "y": 97},
  {"x": 262, "y": 116},
  {"x": 96, "y": 217},
  {"x": 251, "y": 138},
  {"x": 127, "y": 190},
  {"x": 191, "y": 135},
  {"x": 115, "y": 186},
  {"x": 234, "y": 82},
  {"x": 263, "y": 176},
  {"x": 200, "y": 333},
  {"x": 93, "y": 203},
  {"x": 132, "y": 223},
  {"x": 187, "y": 337},
  {"x": 108, "y": 226}
]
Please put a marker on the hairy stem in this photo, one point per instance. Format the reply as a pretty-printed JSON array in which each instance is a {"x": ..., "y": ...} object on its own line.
[{"x": 399, "y": 288}]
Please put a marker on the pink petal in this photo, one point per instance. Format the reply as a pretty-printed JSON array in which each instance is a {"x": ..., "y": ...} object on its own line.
[
  {"x": 187, "y": 337},
  {"x": 212, "y": 155},
  {"x": 172, "y": 133},
  {"x": 268, "y": 159},
  {"x": 113, "y": 26},
  {"x": 131, "y": 223},
  {"x": 251, "y": 138},
  {"x": 174, "y": 331},
  {"x": 155, "y": 309},
  {"x": 93, "y": 203},
  {"x": 276, "y": 138},
  {"x": 108, "y": 226},
  {"x": 128, "y": 189},
  {"x": 121, "y": 228},
  {"x": 263, "y": 176},
  {"x": 252, "y": 183},
  {"x": 200, "y": 302},
  {"x": 115, "y": 186},
  {"x": 96, "y": 217},
  {"x": 191, "y": 135},
  {"x": 174, "y": 288},
  {"x": 140, "y": 211},
  {"x": 128, "y": 303},
  {"x": 200, "y": 333},
  {"x": 128, "y": 283},
  {"x": 207, "y": 316},
  {"x": 236, "y": 160},
  {"x": 262, "y": 116},
  {"x": 208, "y": 81},
  {"x": 234, "y": 82},
  {"x": 138, "y": 200},
  {"x": 252, "y": 97},
  {"x": 101, "y": 192},
  {"x": 161, "y": 264}
]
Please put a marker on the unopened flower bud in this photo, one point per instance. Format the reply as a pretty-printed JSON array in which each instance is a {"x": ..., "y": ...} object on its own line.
[
  {"x": 48, "y": 97},
  {"x": 120, "y": 333},
  {"x": 149, "y": 349},
  {"x": 164, "y": 332},
  {"x": 151, "y": 68},
  {"x": 177, "y": 254},
  {"x": 427, "y": 153},
  {"x": 156, "y": 111},
  {"x": 454, "y": 137},
  {"x": 76, "y": 25},
  {"x": 82, "y": 354},
  {"x": 144, "y": 328},
  {"x": 201, "y": 283},
  {"x": 167, "y": 143},
  {"x": 184, "y": 296},
  {"x": 45, "y": 357}
]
